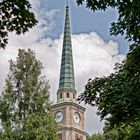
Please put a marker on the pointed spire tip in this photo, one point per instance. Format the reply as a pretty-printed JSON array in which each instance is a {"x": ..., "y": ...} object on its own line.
[{"x": 67, "y": 6}]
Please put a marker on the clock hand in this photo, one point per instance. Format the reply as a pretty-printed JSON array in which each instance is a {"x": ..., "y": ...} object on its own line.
[
  {"x": 57, "y": 115},
  {"x": 77, "y": 117}
]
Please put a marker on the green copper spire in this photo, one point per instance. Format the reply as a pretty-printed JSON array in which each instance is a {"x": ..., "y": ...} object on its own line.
[{"x": 67, "y": 71}]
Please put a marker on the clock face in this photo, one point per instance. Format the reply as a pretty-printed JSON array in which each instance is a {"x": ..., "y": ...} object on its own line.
[
  {"x": 58, "y": 116},
  {"x": 76, "y": 117}
]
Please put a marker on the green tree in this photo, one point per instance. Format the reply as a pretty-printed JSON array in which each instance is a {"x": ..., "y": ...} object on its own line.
[
  {"x": 134, "y": 131},
  {"x": 116, "y": 133},
  {"x": 25, "y": 106},
  {"x": 117, "y": 96},
  {"x": 15, "y": 16},
  {"x": 112, "y": 135},
  {"x": 97, "y": 136}
]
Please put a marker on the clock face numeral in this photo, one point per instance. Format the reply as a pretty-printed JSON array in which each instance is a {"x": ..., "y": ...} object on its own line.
[
  {"x": 58, "y": 116},
  {"x": 76, "y": 117}
]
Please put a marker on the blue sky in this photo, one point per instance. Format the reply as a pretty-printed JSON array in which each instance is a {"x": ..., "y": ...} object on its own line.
[
  {"x": 95, "y": 52},
  {"x": 83, "y": 20}
]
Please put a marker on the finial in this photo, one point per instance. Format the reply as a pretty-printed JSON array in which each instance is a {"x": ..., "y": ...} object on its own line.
[{"x": 67, "y": 4}]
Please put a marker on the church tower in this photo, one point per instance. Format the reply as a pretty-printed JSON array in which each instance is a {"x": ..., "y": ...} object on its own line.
[{"x": 68, "y": 114}]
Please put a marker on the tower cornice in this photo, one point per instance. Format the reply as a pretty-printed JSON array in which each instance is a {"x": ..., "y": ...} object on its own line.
[
  {"x": 67, "y": 90},
  {"x": 63, "y": 104}
]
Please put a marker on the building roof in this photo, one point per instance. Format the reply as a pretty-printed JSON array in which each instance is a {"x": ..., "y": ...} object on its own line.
[{"x": 67, "y": 80}]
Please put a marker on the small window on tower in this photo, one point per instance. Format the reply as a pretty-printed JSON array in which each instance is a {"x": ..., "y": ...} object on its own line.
[
  {"x": 81, "y": 138},
  {"x": 60, "y": 136},
  {"x": 78, "y": 137},
  {"x": 68, "y": 95},
  {"x": 60, "y": 95},
  {"x": 73, "y": 96}
]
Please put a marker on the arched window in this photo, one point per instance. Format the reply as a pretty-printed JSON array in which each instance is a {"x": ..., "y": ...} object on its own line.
[
  {"x": 73, "y": 96},
  {"x": 60, "y": 136},
  {"x": 60, "y": 95},
  {"x": 78, "y": 137},
  {"x": 68, "y": 95}
]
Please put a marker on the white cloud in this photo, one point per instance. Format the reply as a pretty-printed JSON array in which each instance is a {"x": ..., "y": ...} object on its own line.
[
  {"x": 28, "y": 40},
  {"x": 92, "y": 57}
]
